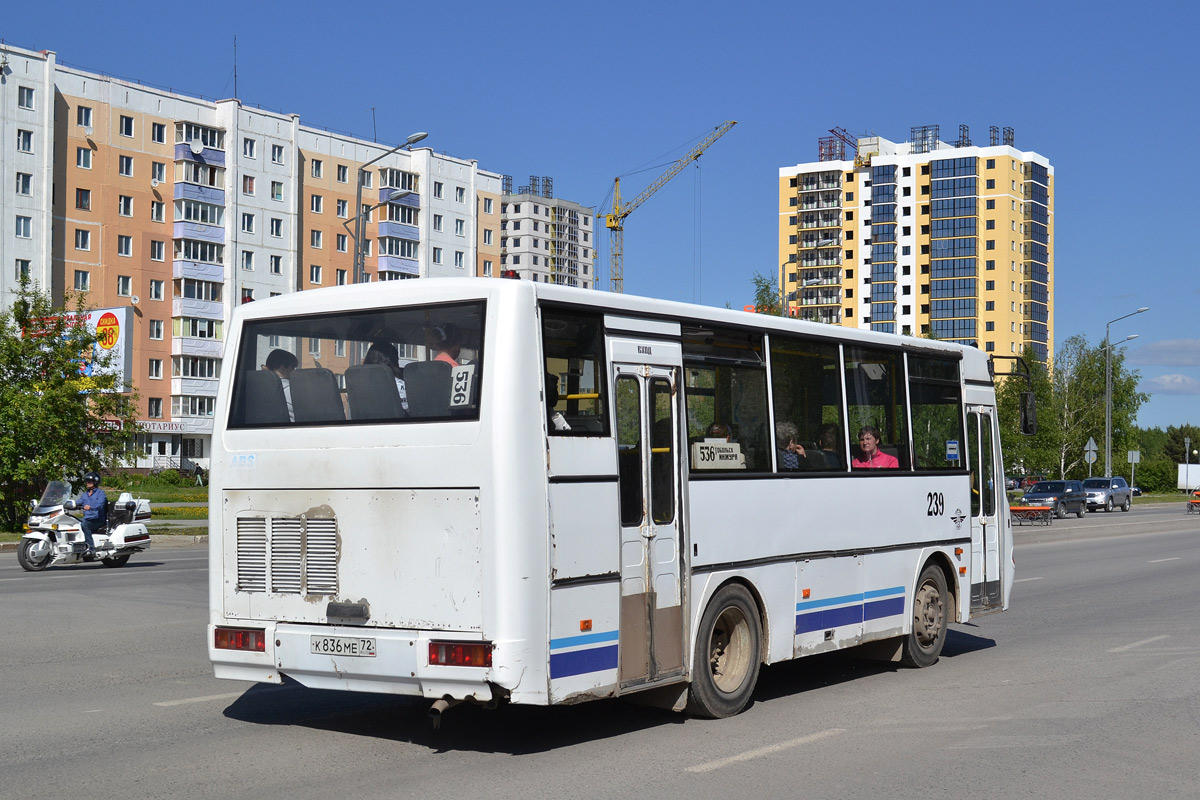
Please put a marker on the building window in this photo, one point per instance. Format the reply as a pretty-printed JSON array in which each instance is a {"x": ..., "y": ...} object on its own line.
[
  {"x": 314, "y": 274},
  {"x": 460, "y": 227},
  {"x": 25, "y": 141},
  {"x": 124, "y": 285},
  {"x": 340, "y": 276},
  {"x": 316, "y": 204},
  {"x": 990, "y": 224},
  {"x": 158, "y": 133},
  {"x": 247, "y": 223},
  {"x": 487, "y": 237},
  {"x": 156, "y": 329},
  {"x": 460, "y": 194},
  {"x": 487, "y": 268},
  {"x": 989, "y": 305},
  {"x": 83, "y": 280},
  {"x": 156, "y": 286},
  {"x": 24, "y": 227},
  {"x": 158, "y": 171},
  {"x": 437, "y": 255},
  {"x": 154, "y": 369},
  {"x": 990, "y": 244},
  {"x": 157, "y": 251},
  {"x": 276, "y": 190},
  {"x": 83, "y": 239},
  {"x": 25, "y": 98},
  {"x": 83, "y": 157},
  {"x": 437, "y": 222},
  {"x": 247, "y": 259},
  {"x": 314, "y": 239},
  {"x": 83, "y": 116},
  {"x": 317, "y": 167},
  {"x": 248, "y": 184},
  {"x": 276, "y": 265},
  {"x": 125, "y": 246},
  {"x": 125, "y": 127},
  {"x": 125, "y": 166},
  {"x": 157, "y": 210},
  {"x": 459, "y": 259},
  {"x": 248, "y": 148},
  {"x": 154, "y": 407},
  {"x": 83, "y": 199},
  {"x": 487, "y": 205},
  {"x": 437, "y": 190},
  {"x": 342, "y": 241},
  {"x": 24, "y": 183},
  {"x": 991, "y": 183},
  {"x": 990, "y": 286},
  {"x": 343, "y": 173},
  {"x": 125, "y": 205},
  {"x": 276, "y": 154},
  {"x": 276, "y": 227},
  {"x": 343, "y": 209}
]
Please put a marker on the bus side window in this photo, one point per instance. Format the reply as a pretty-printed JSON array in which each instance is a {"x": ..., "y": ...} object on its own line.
[
  {"x": 575, "y": 368},
  {"x": 876, "y": 396}
]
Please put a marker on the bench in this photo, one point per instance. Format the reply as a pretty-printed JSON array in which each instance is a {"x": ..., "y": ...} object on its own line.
[{"x": 1031, "y": 515}]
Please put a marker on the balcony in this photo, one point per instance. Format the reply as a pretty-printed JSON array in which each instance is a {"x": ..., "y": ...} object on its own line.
[
  {"x": 197, "y": 270},
  {"x": 199, "y": 230},
  {"x": 398, "y": 230},
  {"x": 405, "y": 266},
  {"x": 201, "y": 194},
  {"x": 413, "y": 199},
  {"x": 206, "y": 387},
  {"x": 203, "y": 309},
  {"x": 208, "y": 155},
  {"x": 829, "y": 241},
  {"x": 188, "y": 346}
]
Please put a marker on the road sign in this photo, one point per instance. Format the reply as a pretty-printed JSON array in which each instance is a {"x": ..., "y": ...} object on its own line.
[
  {"x": 1089, "y": 456},
  {"x": 1091, "y": 446},
  {"x": 1135, "y": 456}
]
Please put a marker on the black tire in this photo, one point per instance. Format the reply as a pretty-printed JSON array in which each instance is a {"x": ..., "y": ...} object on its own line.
[
  {"x": 1061, "y": 510},
  {"x": 923, "y": 645},
  {"x": 1108, "y": 504},
  {"x": 728, "y": 654},
  {"x": 1079, "y": 512},
  {"x": 1128, "y": 503},
  {"x": 34, "y": 555},
  {"x": 115, "y": 561}
]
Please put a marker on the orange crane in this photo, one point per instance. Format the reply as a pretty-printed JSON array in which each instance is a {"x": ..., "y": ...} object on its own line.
[{"x": 615, "y": 222}]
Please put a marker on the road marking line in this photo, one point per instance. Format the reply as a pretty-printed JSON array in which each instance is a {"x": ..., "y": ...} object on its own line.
[
  {"x": 205, "y": 699},
  {"x": 1132, "y": 645},
  {"x": 62, "y": 575},
  {"x": 1161, "y": 560},
  {"x": 1022, "y": 580},
  {"x": 709, "y": 766}
]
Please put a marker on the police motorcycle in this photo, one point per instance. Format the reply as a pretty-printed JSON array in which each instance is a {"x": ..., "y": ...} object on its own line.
[{"x": 53, "y": 536}]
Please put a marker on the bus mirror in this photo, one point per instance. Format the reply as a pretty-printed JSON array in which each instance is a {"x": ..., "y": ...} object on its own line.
[{"x": 1028, "y": 413}]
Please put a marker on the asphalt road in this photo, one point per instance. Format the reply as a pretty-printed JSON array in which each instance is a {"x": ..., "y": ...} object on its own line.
[{"x": 1088, "y": 687}]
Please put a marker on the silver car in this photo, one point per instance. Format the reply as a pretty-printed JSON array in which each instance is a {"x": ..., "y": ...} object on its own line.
[{"x": 1108, "y": 492}]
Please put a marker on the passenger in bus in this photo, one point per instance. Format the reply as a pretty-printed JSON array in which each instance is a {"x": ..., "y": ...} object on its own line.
[
  {"x": 718, "y": 430},
  {"x": 870, "y": 456},
  {"x": 282, "y": 362},
  {"x": 828, "y": 454},
  {"x": 789, "y": 453},
  {"x": 447, "y": 340},
  {"x": 386, "y": 354},
  {"x": 555, "y": 418}
]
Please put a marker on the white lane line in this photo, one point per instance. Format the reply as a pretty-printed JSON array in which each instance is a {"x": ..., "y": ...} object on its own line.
[
  {"x": 709, "y": 766},
  {"x": 1132, "y": 645},
  {"x": 205, "y": 699},
  {"x": 61, "y": 575},
  {"x": 1161, "y": 560},
  {"x": 1022, "y": 580}
]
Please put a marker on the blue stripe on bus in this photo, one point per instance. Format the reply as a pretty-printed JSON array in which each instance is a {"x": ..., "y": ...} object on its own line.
[
  {"x": 587, "y": 638},
  {"x": 578, "y": 662},
  {"x": 861, "y": 607}
]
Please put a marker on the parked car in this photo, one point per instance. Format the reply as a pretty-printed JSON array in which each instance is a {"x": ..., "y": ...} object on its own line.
[
  {"x": 1064, "y": 497},
  {"x": 1012, "y": 483},
  {"x": 1108, "y": 492},
  {"x": 1030, "y": 480},
  {"x": 1136, "y": 490}
]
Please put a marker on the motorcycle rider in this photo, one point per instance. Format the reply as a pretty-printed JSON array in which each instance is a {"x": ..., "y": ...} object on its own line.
[{"x": 94, "y": 503}]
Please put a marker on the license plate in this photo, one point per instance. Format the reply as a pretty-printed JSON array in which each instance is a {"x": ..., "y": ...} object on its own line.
[{"x": 357, "y": 646}]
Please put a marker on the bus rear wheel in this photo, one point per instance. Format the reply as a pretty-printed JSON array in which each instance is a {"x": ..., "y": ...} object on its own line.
[
  {"x": 728, "y": 654},
  {"x": 923, "y": 645}
]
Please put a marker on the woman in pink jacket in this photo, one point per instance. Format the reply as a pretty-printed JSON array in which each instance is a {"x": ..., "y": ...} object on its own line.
[{"x": 871, "y": 457}]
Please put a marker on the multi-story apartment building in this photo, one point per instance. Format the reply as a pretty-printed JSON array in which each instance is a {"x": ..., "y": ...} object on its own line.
[
  {"x": 544, "y": 238},
  {"x": 923, "y": 238},
  {"x": 181, "y": 208}
]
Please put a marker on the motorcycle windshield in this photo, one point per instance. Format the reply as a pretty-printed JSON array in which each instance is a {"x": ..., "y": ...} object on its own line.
[{"x": 57, "y": 492}]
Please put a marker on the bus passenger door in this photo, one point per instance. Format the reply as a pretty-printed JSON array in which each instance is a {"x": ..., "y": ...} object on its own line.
[
  {"x": 987, "y": 491},
  {"x": 652, "y": 625}
]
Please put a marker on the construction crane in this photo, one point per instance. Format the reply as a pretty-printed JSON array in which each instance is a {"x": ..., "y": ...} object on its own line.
[{"x": 615, "y": 222}]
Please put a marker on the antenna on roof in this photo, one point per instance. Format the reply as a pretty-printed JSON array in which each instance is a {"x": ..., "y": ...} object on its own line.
[{"x": 235, "y": 96}]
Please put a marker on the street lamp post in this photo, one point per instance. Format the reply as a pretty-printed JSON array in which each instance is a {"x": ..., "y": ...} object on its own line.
[
  {"x": 1108, "y": 388},
  {"x": 359, "y": 214}
]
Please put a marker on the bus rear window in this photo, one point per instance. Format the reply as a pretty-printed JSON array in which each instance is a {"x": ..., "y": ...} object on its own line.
[{"x": 398, "y": 365}]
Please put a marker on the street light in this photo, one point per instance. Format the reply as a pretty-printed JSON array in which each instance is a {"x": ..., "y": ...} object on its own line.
[
  {"x": 1108, "y": 388},
  {"x": 359, "y": 214}
]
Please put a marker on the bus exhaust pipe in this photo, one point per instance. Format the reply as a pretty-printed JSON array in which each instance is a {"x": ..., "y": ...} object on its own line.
[{"x": 439, "y": 707}]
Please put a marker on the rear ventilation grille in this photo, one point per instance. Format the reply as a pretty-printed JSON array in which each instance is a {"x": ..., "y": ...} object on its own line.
[{"x": 292, "y": 555}]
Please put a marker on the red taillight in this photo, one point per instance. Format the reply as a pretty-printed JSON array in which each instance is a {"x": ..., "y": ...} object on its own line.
[
  {"x": 460, "y": 654},
  {"x": 240, "y": 639}
]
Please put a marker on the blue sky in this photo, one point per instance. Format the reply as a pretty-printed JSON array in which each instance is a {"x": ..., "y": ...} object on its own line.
[{"x": 587, "y": 92}]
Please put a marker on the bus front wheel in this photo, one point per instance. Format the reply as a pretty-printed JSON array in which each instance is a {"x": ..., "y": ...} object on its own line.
[
  {"x": 728, "y": 654},
  {"x": 924, "y": 644}
]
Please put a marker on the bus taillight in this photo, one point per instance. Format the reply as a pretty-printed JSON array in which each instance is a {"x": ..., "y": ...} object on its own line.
[
  {"x": 460, "y": 654},
  {"x": 251, "y": 639}
]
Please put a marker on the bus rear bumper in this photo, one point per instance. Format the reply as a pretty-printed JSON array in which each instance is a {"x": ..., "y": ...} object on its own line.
[{"x": 389, "y": 662}]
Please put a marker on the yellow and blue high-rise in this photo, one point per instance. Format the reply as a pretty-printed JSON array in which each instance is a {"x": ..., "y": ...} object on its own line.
[{"x": 950, "y": 241}]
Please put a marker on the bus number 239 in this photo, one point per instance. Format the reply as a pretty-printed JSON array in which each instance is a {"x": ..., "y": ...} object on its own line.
[{"x": 935, "y": 504}]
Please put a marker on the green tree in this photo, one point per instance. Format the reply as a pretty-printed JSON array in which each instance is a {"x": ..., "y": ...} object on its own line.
[
  {"x": 54, "y": 421},
  {"x": 767, "y": 298},
  {"x": 1071, "y": 408}
]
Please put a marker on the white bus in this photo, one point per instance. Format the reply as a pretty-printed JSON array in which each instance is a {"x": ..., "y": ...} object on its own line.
[{"x": 505, "y": 491}]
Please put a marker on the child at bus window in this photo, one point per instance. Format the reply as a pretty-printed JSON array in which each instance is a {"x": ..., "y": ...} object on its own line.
[
  {"x": 385, "y": 354},
  {"x": 447, "y": 340},
  {"x": 870, "y": 456},
  {"x": 282, "y": 362}
]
